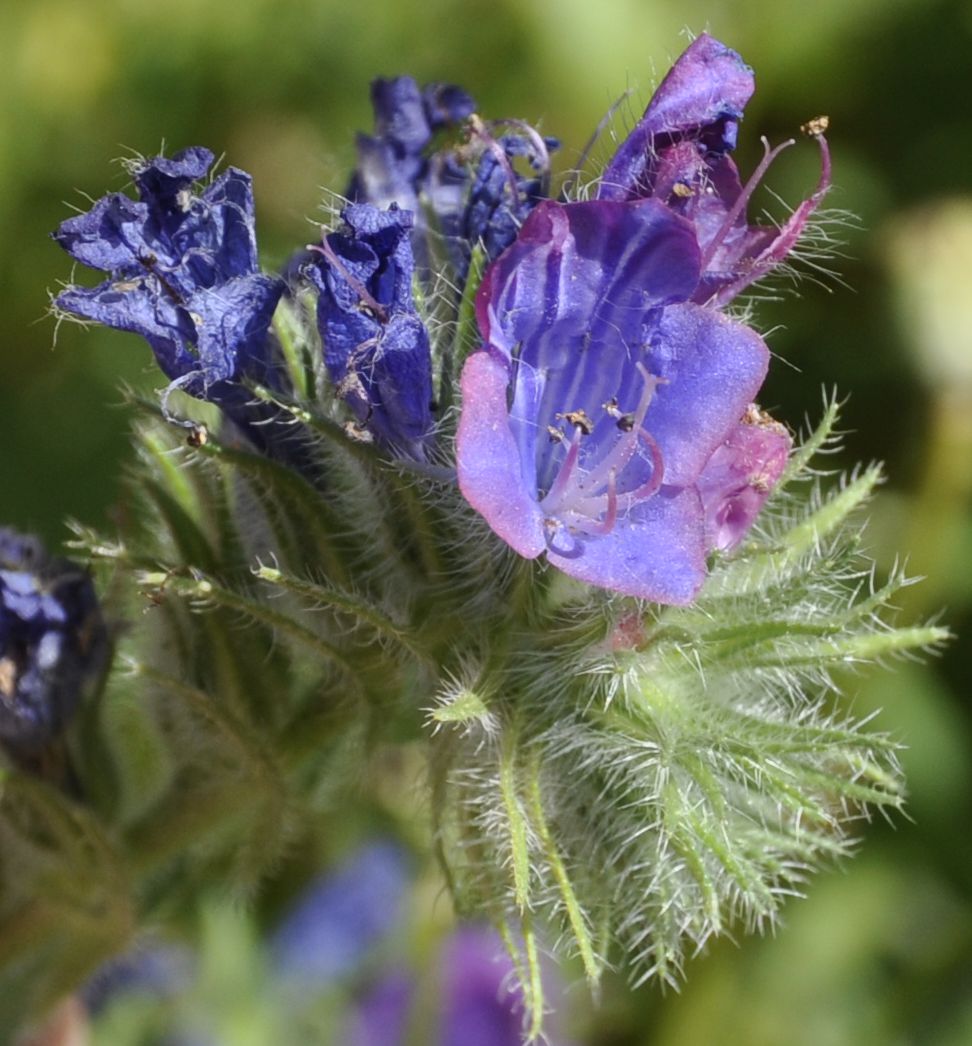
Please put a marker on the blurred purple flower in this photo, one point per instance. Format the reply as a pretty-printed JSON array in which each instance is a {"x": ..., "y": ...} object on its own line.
[
  {"x": 150, "y": 968},
  {"x": 342, "y": 917},
  {"x": 479, "y": 1008},
  {"x": 183, "y": 273},
  {"x": 53, "y": 642},
  {"x": 678, "y": 153},
  {"x": 476, "y": 1005},
  {"x": 376, "y": 348},
  {"x": 382, "y": 1018}
]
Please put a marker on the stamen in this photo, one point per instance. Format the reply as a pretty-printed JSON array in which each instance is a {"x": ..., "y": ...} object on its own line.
[
  {"x": 769, "y": 155},
  {"x": 657, "y": 470},
  {"x": 790, "y": 232},
  {"x": 579, "y": 419},
  {"x": 611, "y": 516},
  {"x": 624, "y": 450},
  {"x": 562, "y": 479},
  {"x": 589, "y": 503}
]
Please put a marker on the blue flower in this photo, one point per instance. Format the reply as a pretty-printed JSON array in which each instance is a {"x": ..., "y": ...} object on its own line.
[
  {"x": 678, "y": 153},
  {"x": 343, "y": 916},
  {"x": 183, "y": 273},
  {"x": 376, "y": 348},
  {"x": 496, "y": 198},
  {"x": 600, "y": 395},
  {"x": 53, "y": 642},
  {"x": 152, "y": 968}
]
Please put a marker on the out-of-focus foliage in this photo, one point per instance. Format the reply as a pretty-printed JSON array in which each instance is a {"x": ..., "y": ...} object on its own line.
[{"x": 880, "y": 952}]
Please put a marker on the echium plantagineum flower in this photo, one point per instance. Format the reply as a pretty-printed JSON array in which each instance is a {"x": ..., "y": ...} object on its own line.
[
  {"x": 53, "y": 642},
  {"x": 376, "y": 348},
  {"x": 182, "y": 272},
  {"x": 608, "y": 419}
]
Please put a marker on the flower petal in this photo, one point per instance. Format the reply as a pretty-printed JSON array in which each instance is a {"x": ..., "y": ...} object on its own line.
[
  {"x": 570, "y": 299},
  {"x": 581, "y": 270},
  {"x": 711, "y": 368},
  {"x": 53, "y": 642},
  {"x": 183, "y": 273},
  {"x": 488, "y": 460},
  {"x": 705, "y": 90},
  {"x": 108, "y": 237},
  {"x": 740, "y": 476},
  {"x": 657, "y": 551},
  {"x": 376, "y": 349}
]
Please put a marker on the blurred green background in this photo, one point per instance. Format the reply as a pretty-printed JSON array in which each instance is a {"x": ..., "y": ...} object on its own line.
[{"x": 881, "y": 950}]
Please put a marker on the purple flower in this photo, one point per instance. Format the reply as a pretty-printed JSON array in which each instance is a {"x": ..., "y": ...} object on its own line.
[
  {"x": 496, "y": 198},
  {"x": 678, "y": 153},
  {"x": 608, "y": 419},
  {"x": 376, "y": 348},
  {"x": 477, "y": 1005},
  {"x": 600, "y": 396},
  {"x": 342, "y": 917},
  {"x": 183, "y": 273},
  {"x": 152, "y": 968},
  {"x": 53, "y": 642}
]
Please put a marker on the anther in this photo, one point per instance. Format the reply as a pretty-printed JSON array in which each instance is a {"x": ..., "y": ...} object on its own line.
[
  {"x": 815, "y": 127},
  {"x": 579, "y": 419}
]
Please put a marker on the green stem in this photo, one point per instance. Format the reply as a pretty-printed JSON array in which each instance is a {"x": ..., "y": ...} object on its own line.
[
  {"x": 592, "y": 968},
  {"x": 519, "y": 844}
]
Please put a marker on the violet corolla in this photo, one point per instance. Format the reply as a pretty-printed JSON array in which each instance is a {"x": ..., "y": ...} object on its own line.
[
  {"x": 376, "y": 348},
  {"x": 608, "y": 419},
  {"x": 182, "y": 272},
  {"x": 393, "y": 163},
  {"x": 475, "y": 1004}
]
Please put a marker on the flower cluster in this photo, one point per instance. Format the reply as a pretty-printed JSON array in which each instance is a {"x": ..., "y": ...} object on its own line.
[
  {"x": 476, "y": 382},
  {"x": 461, "y": 194},
  {"x": 607, "y": 418},
  {"x": 53, "y": 642}
]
